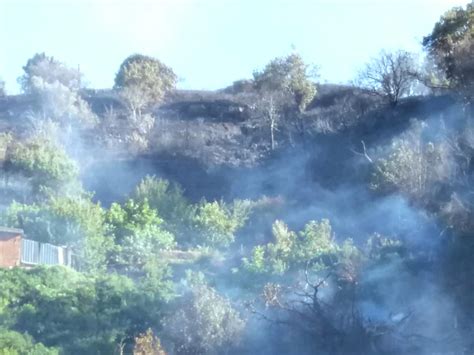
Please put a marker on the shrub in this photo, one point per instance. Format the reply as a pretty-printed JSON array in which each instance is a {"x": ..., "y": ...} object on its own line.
[
  {"x": 216, "y": 222},
  {"x": 15, "y": 343},
  {"x": 168, "y": 199},
  {"x": 136, "y": 229},
  {"x": 42, "y": 161},
  {"x": 204, "y": 322},
  {"x": 314, "y": 244}
]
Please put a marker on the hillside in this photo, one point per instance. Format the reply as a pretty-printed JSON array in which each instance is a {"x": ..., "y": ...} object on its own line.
[{"x": 277, "y": 215}]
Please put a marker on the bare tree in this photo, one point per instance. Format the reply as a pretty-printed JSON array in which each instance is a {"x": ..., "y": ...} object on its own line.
[
  {"x": 390, "y": 75},
  {"x": 270, "y": 108},
  {"x": 135, "y": 99},
  {"x": 285, "y": 83}
]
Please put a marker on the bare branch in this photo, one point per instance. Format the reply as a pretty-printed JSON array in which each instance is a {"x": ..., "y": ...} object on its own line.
[{"x": 363, "y": 153}]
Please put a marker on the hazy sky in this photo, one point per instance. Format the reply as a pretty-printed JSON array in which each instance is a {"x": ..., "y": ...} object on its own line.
[{"x": 210, "y": 43}]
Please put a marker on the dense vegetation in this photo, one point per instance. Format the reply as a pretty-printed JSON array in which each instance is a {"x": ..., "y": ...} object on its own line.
[{"x": 350, "y": 233}]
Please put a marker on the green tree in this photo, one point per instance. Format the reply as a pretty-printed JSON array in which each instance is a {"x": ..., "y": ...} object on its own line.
[
  {"x": 217, "y": 222},
  {"x": 72, "y": 221},
  {"x": 315, "y": 239},
  {"x": 285, "y": 83},
  {"x": 138, "y": 233},
  {"x": 290, "y": 250},
  {"x": 78, "y": 313},
  {"x": 15, "y": 343},
  {"x": 63, "y": 105},
  {"x": 83, "y": 313},
  {"x": 56, "y": 88},
  {"x": 42, "y": 69},
  {"x": 290, "y": 75},
  {"x": 143, "y": 80},
  {"x": 451, "y": 46},
  {"x": 42, "y": 161},
  {"x": 168, "y": 199}
]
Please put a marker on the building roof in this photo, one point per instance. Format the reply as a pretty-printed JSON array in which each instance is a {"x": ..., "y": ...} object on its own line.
[{"x": 10, "y": 232}]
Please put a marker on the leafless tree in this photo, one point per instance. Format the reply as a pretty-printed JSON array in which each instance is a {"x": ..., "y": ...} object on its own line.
[
  {"x": 332, "y": 324},
  {"x": 390, "y": 75},
  {"x": 270, "y": 107},
  {"x": 135, "y": 99}
]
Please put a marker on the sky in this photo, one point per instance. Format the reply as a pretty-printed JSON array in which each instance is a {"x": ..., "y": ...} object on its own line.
[{"x": 210, "y": 43}]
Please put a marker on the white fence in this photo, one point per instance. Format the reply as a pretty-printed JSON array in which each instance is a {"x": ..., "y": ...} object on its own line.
[{"x": 35, "y": 253}]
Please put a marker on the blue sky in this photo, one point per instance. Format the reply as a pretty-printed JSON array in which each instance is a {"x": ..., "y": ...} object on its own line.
[{"x": 210, "y": 43}]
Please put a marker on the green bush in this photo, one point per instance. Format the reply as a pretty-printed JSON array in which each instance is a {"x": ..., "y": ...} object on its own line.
[
  {"x": 138, "y": 233},
  {"x": 217, "y": 222},
  {"x": 412, "y": 167},
  {"x": 168, "y": 199},
  {"x": 15, "y": 343},
  {"x": 314, "y": 244},
  {"x": 43, "y": 162},
  {"x": 78, "y": 313}
]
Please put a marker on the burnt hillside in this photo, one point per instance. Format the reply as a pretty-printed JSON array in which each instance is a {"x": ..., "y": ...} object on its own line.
[{"x": 202, "y": 136}]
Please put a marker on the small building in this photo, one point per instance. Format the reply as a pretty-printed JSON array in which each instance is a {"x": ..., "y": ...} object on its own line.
[
  {"x": 16, "y": 250},
  {"x": 10, "y": 247}
]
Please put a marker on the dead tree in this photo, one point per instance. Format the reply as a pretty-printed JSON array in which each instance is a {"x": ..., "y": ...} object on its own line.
[
  {"x": 332, "y": 325},
  {"x": 390, "y": 75}
]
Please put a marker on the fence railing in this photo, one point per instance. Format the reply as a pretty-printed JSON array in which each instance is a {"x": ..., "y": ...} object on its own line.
[{"x": 35, "y": 253}]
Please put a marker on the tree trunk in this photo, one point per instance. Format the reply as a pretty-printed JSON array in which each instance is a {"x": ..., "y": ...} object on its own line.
[{"x": 272, "y": 133}]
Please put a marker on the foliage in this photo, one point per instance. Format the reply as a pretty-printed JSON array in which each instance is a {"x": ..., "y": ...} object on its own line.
[
  {"x": 204, "y": 322},
  {"x": 211, "y": 224},
  {"x": 61, "y": 104},
  {"x": 412, "y": 167},
  {"x": 56, "y": 87},
  {"x": 79, "y": 313},
  {"x": 15, "y": 343},
  {"x": 289, "y": 75},
  {"x": 217, "y": 222},
  {"x": 390, "y": 75},
  {"x": 451, "y": 47},
  {"x": 256, "y": 263},
  {"x": 315, "y": 239},
  {"x": 330, "y": 296},
  {"x": 73, "y": 221},
  {"x": 143, "y": 80},
  {"x": 42, "y": 69},
  {"x": 168, "y": 199},
  {"x": 137, "y": 231},
  {"x": 148, "y": 344},
  {"x": 43, "y": 162},
  {"x": 313, "y": 244},
  {"x": 155, "y": 280}
]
